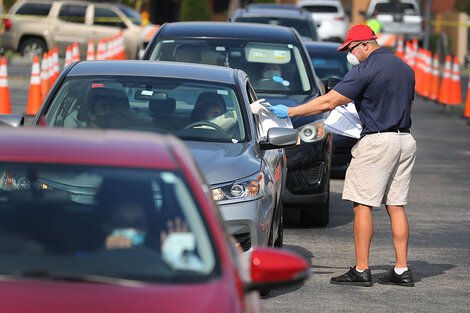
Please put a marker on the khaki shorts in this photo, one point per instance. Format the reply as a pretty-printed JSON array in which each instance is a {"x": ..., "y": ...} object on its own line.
[{"x": 380, "y": 169}]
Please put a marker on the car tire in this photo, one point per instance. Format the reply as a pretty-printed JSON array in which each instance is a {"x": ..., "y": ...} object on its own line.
[
  {"x": 318, "y": 216},
  {"x": 33, "y": 46}
]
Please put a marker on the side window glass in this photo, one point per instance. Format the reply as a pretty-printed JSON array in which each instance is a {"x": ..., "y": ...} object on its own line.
[
  {"x": 73, "y": 13},
  {"x": 36, "y": 9},
  {"x": 107, "y": 17}
]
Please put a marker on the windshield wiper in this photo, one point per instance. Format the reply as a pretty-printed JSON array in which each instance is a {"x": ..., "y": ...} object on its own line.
[{"x": 72, "y": 277}]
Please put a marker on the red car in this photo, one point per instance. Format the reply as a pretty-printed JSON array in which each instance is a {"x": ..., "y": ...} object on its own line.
[{"x": 103, "y": 221}]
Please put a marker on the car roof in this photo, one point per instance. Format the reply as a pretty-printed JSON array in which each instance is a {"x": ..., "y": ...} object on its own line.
[
  {"x": 320, "y": 2},
  {"x": 238, "y": 30},
  {"x": 87, "y": 147},
  {"x": 276, "y": 12},
  {"x": 155, "y": 69}
]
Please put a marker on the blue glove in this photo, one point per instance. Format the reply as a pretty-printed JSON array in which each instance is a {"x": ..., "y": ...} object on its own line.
[{"x": 280, "y": 110}]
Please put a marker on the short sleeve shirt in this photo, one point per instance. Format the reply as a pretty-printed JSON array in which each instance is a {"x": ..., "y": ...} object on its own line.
[{"x": 382, "y": 87}]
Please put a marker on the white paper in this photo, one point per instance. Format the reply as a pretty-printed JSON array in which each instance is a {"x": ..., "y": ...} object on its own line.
[
  {"x": 269, "y": 119},
  {"x": 344, "y": 120}
]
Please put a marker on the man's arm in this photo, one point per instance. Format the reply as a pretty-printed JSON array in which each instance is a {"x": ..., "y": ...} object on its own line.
[{"x": 319, "y": 105}]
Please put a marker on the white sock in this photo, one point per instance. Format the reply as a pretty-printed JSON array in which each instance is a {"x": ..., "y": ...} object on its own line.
[
  {"x": 400, "y": 270},
  {"x": 359, "y": 270}
]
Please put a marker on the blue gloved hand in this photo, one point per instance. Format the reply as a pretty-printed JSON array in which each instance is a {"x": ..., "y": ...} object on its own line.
[{"x": 280, "y": 110}]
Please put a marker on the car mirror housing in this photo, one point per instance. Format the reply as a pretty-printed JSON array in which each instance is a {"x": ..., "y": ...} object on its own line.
[
  {"x": 274, "y": 268},
  {"x": 279, "y": 137},
  {"x": 331, "y": 83},
  {"x": 13, "y": 120}
]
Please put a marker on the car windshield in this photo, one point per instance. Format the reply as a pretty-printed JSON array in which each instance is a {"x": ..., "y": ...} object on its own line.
[
  {"x": 329, "y": 64},
  {"x": 191, "y": 110},
  {"x": 304, "y": 28},
  {"x": 132, "y": 14},
  {"x": 394, "y": 7},
  {"x": 79, "y": 222},
  {"x": 275, "y": 69},
  {"x": 321, "y": 8}
]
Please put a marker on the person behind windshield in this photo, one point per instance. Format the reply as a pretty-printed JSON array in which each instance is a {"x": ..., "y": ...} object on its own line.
[
  {"x": 188, "y": 53},
  {"x": 100, "y": 113},
  {"x": 206, "y": 111}
]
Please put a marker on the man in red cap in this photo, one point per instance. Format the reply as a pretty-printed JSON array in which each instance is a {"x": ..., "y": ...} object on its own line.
[{"x": 382, "y": 88}]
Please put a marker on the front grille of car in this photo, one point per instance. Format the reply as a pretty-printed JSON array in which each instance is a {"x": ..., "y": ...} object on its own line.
[
  {"x": 244, "y": 240},
  {"x": 309, "y": 175}
]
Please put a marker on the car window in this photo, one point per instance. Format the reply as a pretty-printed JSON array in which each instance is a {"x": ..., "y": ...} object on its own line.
[
  {"x": 73, "y": 13},
  {"x": 132, "y": 14},
  {"x": 274, "y": 68},
  {"x": 191, "y": 110},
  {"x": 395, "y": 7},
  {"x": 37, "y": 9},
  {"x": 304, "y": 27},
  {"x": 106, "y": 17},
  {"x": 97, "y": 220},
  {"x": 321, "y": 8},
  {"x": 327, "y": 64}
]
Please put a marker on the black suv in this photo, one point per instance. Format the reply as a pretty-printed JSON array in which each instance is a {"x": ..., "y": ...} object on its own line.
[{"x": 280, "y": 71}]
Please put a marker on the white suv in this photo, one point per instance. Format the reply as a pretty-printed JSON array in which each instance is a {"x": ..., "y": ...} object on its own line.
[{"x": 333, "y": 22}]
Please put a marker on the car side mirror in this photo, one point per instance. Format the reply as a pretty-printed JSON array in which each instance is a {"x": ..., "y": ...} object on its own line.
[
  {"x": 279, "y": 137},
  {"x": 274, "y": 268},
  {"x": 13, "y": 120},
  {"x": 331, "y": 83}
]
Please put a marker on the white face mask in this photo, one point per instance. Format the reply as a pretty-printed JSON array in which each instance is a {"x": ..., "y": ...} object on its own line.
[{"x": 352, "y": 58}]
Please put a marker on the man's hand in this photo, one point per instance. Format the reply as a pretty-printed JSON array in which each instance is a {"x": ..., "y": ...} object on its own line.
[{"x": 280, "y": 110}]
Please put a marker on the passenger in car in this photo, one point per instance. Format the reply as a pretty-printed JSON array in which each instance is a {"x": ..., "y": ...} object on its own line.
[{"x": 188, "y": 53}]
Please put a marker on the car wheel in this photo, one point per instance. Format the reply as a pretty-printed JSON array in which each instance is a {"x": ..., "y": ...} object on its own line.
[
  {"x": 33, "y": 46},
  {"x": 318, "y": 216}
]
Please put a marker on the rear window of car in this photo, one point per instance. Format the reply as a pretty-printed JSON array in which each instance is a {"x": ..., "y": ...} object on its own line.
[
  {"x": 37, "y": 9},
  {"x": 395, "y": 7},
  {"x": 321, "y": 8}
]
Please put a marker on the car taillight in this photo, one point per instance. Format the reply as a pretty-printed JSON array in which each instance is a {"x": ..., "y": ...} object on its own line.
[
  {"x": 7, "y": 24},
  {"x": 339, "y": 18}
]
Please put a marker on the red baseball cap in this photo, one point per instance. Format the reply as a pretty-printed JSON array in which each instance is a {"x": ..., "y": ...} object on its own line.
[{"x": 357, "y": 33}]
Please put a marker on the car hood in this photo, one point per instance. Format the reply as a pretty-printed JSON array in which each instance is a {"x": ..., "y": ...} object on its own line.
[
  {"x": 73, "y": 297},
  {"x": 224, "y": 162}
]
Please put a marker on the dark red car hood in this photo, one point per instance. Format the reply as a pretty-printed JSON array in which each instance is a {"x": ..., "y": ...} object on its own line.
[{"x": 72, "y": 297}]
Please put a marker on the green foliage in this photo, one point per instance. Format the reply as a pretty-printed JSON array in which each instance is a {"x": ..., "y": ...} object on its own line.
[
  {"x": 194, "y": 10},
  {"x": 7, "y": 5},
  {"x": 463, "y": 6},
  {"x": 264, "y": 1}
]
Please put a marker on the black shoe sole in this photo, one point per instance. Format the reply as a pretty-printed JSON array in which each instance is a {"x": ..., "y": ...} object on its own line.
[
  {"x": 353, "y": 283},
  {"x": 396, "y": 284}
]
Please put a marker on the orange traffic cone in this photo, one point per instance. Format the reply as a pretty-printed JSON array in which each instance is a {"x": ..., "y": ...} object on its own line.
[
  {"x": 75, "y": 52},
  {"x": 427, "y": 76},
  {"x": 122, "y": 46},
  {"x": 101, "y": 49},
  {"x": 68, "y": 56},
  {"x": 399, "y": 51},
  {"x": 44, "y": 76},
  {"x": 435, "y": 78},
  {"x": 466, "y": 112},
  {"x": 455, "y": 96},
  {"x": 445, "y": 84},
  {"x": 5, "y": 106},
  {"x": 50, "y": 62},
  {"x": 90, "y": 53},
  {"x": 34, "y": 97},
  {"x": 419, "y": 72},
  {"x": 55, "y": 63}
]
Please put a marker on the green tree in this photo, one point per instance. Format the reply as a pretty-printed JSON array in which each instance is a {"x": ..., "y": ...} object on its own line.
[
  {"x": 194, "y": 10},
  {"x": 463, "y": 6}
]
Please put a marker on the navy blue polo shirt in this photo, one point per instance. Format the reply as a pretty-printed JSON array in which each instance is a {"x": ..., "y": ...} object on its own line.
[{"x": 382, "y": 87}]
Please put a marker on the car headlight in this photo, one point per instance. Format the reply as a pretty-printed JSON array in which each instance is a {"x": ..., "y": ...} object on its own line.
[
  {"x": 245, "y": 189},
  {"x": 313, "y": 131}
]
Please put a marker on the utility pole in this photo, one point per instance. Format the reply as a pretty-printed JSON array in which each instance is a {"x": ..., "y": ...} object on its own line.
[{"x": 427, "y": 27}]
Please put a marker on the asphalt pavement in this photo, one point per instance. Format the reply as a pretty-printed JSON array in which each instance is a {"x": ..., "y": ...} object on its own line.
[{"x": 439, "y": 246}]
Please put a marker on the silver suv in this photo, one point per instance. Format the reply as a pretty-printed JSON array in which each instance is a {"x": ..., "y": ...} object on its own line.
[{"x": 36, "y": 26}]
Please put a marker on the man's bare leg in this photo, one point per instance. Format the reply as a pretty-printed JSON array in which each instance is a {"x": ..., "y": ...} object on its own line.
[
  {"x": 400, "y": 231},
  {"x": 363, "y": 232}
]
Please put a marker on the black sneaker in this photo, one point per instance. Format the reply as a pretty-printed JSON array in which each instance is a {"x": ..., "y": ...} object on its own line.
[
  {"x": 354, "y": 278},
  {"x": 392, "y": 278}
]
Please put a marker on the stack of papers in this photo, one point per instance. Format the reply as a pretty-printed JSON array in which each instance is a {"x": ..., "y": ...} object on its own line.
[{"x": 344, "y": 120}]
